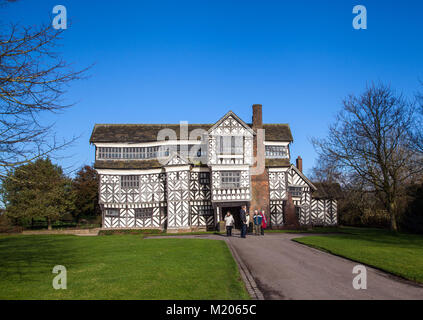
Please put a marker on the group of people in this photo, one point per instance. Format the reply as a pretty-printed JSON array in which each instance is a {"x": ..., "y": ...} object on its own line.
[{"x": 259, "y": 221}]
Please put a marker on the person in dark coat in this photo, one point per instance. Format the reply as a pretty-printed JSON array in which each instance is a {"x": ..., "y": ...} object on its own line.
[{"x": 243, "y": 216}]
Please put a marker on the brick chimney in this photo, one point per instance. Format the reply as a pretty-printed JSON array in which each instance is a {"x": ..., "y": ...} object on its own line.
[
  {"x": 260, "y": 199},
  {"x": 300, "y": 164},
  {"x": 257, "y": 116}
]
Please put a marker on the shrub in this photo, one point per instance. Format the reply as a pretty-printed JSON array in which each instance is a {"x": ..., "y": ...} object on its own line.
[{"x": 7, "y": 227}]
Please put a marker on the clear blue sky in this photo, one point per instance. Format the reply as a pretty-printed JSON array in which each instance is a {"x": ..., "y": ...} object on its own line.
[{"x": 167, "y": 61}]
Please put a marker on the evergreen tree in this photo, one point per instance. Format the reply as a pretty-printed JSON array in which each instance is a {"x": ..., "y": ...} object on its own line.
[
  {"x": 37, "y": 190},
  {"x": 85, "y": 192}
]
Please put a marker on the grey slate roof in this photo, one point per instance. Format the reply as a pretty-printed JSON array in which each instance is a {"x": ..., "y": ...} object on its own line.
[
  {"x": 138, "y": 133},
  {"x": 276, "y": 163},
  {"x": 126, "y": 164},
  {"x": 132, "y": 164},
  {"x": 327, "y": 190}
]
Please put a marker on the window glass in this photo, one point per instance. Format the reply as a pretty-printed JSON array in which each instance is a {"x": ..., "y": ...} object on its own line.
[
  {"x": 276, "y": 152},
  {"x": 142, "y": 213},
  {"x": 295, "y": 191},
  {"x": 139, "y": 153},
  {"x": 129, "y": 181},
  {"x": 112, "y": 212},
  {"x": 231, "y": 145},
  {"x": 231, "y": 179},
  {"x": 205, "y": 210},
  {"x": 204, "y": 178}
]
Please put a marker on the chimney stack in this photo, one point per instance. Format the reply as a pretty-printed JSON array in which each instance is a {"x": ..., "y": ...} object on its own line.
[
  {"x": 257, "y": 116},
  {"x": 300, "y": 164}
]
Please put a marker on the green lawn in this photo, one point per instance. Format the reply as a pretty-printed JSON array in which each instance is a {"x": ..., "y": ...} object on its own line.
[
  {"x": 400, "y": 254},
  {"x": 313, "y": 230},
  {"x": 118, "y": 267}
]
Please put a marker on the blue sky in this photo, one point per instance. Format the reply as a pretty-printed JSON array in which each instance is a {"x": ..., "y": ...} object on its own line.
[{"x": 168, "y": 61}]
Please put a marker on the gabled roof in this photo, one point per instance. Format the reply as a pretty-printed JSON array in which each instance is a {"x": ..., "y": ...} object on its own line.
[
  {"x": 304, "y": 177},
  {"x": 232, "y": 114},
  {"x": 176, "y": 160}
]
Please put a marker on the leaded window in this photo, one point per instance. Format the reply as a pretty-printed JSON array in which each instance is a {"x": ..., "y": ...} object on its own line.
[
  {"x": 109, "y": 153},
  {"x": 164, "y": 151},
  {"x": 112, "y": 212},
  {"x": 205, "y": 210},
  {"x": 276, "y": 152},
  {"x": 139, "y": 153},
  {"x": 231, "y": 145},
  {"x": 204, "y": 178},
  {"x": 142, "y": 213},
  {"x": 295, "y": 191},
  {"x": 231, "y": 179},
  {"x": 129, "y": 181},
  {"x": 132, "y": 153},
  {"x": 298, "y": 212}
]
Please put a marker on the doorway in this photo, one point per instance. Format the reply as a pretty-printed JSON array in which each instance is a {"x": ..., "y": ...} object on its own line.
[{"x": 235, "y": 213}]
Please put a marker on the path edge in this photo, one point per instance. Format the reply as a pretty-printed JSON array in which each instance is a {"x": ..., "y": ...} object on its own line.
[{"x": 246, "y": 276}]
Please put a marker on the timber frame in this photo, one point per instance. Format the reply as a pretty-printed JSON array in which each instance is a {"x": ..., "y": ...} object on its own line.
[{"x": 153, "y": 184}]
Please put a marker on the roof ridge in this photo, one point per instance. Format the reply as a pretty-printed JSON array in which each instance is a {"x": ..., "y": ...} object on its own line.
[
  {"x": 150, "y": 124},
  {"x": 175, "y": 124}
]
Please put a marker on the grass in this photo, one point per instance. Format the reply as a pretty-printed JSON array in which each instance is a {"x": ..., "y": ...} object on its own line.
[
  {"x": 398, "y": 253},
  {"x": 313, "y": 230},
  {"x": 118, "y": 267},
  {"x": 145, "y": 232},
  {"x": 152, "y": 232},
  {"x": 195, "y": 233}
]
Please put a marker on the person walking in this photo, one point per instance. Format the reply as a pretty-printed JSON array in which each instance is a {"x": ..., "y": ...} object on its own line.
[
  {"x": 243, "y": 216},
  {"x": 263, "y": 222},
  {"x": 229, "y": 223},
  {"x": 257, "y": 223}
]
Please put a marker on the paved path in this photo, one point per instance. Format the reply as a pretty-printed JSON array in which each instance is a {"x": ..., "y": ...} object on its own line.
[{"x": 284, "y": 269}]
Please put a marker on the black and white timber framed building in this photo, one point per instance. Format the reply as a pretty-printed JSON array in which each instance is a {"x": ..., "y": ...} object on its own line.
[{"x": 183, "y": 177}]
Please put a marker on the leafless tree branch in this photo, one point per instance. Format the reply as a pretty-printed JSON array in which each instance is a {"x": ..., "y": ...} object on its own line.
[
  {"x": 33, "y": 80},
  {"x": 370, "y": 142}
]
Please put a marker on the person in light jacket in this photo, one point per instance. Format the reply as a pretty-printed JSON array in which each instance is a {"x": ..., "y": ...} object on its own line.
[{"x": 229, "y": 223}]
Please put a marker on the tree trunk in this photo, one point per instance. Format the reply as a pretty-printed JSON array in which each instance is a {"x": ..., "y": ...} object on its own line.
[
  {"x": 393, "y": 215},
  {"x": 394, "y": 226},
  {"x": 49, "y": 223}
]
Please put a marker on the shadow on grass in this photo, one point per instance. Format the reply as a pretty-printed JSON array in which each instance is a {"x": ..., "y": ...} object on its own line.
[{"x": 22, "y": 257}]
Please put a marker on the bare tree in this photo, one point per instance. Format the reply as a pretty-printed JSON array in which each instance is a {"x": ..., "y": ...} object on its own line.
[
  {"x": 326, "y": 171},
  {"x": 417, "y": 131},
  {"x": 370, "y": 142},
  {"x": 33, "y": 79}
]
